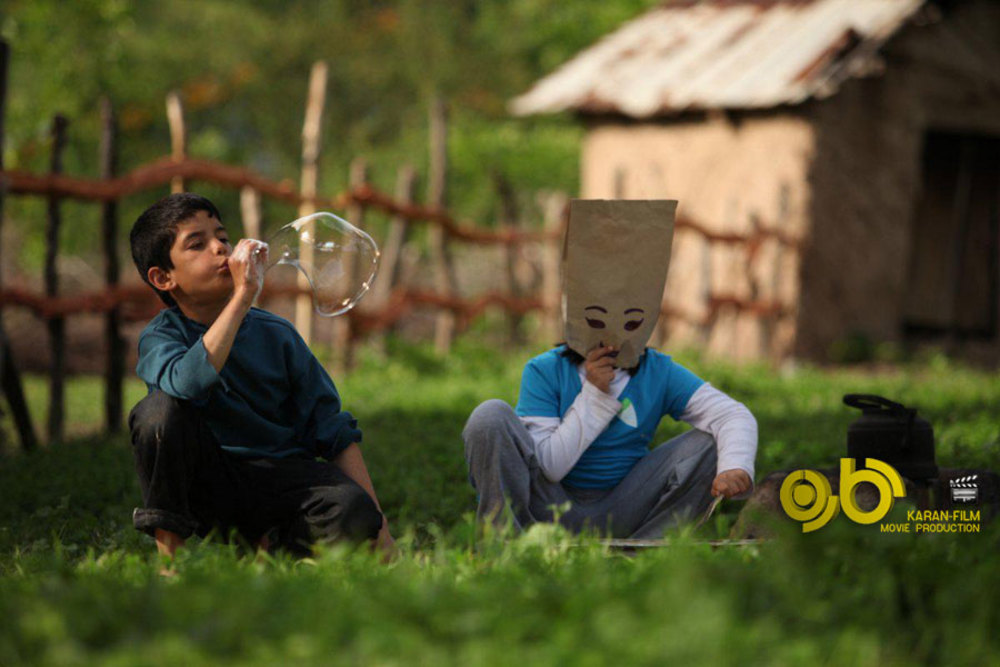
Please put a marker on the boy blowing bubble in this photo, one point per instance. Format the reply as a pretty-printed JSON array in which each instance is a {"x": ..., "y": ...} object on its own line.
[{"x": 239, "y": 411}]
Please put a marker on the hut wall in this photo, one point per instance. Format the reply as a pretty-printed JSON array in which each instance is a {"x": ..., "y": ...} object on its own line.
[
  {"x": 858, "y": 272},
  {"x": 724, "y": 170}
]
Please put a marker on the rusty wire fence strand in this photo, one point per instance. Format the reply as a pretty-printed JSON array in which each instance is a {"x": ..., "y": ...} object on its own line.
[{"x": 138, "y": 304}]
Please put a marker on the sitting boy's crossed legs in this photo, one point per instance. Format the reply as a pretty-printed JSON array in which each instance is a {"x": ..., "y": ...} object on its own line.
[
  {"x": 669, "y": 485},
  {"x": 190, "y": 485}
]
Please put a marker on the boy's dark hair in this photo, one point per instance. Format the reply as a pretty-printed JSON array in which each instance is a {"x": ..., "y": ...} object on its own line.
[
  {"x": 576, "y": 358},
  {"x": 154, "y": 232}
]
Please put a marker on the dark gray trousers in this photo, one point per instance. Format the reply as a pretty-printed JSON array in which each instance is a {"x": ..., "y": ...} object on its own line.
[
  {"x": 191, "y": 485},
  {"x": 667, "y": 487}
]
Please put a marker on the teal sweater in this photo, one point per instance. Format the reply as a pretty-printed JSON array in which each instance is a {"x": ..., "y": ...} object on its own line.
[{"x": 272, "y": 398}]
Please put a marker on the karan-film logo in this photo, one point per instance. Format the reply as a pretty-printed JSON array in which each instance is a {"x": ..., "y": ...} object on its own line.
[{"x": 806, "y": 495}]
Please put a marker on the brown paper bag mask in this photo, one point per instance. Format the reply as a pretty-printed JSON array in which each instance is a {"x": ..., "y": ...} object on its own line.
[{"x": 615, "y": 261}]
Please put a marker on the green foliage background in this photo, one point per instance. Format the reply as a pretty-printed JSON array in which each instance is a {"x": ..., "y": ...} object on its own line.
[{"x": 242, "y": 69}]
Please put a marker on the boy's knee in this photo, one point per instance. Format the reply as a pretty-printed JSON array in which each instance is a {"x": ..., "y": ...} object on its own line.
[
  {"x": 487, "y": 417},
  {"x": 362, "y": 519},
  {"x": 343, "y": 512},
  {"x": 701, "y": 446},
  {"x": 697, "y": 441},
  {"x": 156, "y": 418},
  {"x": 705, "y": 440}
]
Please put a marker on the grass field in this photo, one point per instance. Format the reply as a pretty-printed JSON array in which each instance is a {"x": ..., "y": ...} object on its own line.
[{"x": 79, "y": 585}]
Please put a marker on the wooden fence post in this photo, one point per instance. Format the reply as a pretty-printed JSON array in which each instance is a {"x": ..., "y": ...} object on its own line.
[
  {"x": 437, "y": 197},
  {"x": 619, "y": 179},
  {"x": 10, "y": 378},
  {"x": 250, "y": 212},
  {"x": 389, "y": 271},
  {"x": 770, "y": 328},
  {"x": 311, "y": 138},
  {"x": 728, "y": 322},
  {"x": 57, "y": 324},
  {"x": 178, "y": 136},
  {"x": 707, "y": 291},
  {"x": 554, "y": 207},
  {"x": 508, "y": 221},
  {"x": 342, "y": 339},
  {"x": 115, "y": 344}
]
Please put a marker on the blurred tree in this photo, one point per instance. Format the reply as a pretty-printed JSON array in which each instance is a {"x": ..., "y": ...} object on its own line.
[{"x": 242, "y": 70}]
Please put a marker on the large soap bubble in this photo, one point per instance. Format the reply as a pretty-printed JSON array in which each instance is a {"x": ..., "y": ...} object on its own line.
[{"x": 338, "y": 259}]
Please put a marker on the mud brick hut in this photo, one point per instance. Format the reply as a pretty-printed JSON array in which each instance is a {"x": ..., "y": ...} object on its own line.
[{"x": 868, "y": 131}]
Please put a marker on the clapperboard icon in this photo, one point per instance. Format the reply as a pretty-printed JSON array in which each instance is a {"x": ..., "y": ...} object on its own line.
[{"x": 964, "y": 489}]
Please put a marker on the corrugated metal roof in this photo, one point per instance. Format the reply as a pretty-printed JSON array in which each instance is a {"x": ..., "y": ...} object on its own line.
[{"x": 721, "y": 54}]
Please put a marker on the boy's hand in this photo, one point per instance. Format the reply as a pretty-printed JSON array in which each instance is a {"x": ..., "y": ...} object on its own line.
[
  {"x": 731, "y": 483},
  {"x": 247, "y": 265},
  {"x": 599, "y": 365}
]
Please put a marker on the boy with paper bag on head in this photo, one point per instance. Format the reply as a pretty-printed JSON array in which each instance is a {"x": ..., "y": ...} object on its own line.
[{"x": 588, "y": 409}]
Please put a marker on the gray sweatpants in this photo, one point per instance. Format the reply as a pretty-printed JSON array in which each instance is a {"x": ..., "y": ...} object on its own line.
[{"x": 666, "y": 487}]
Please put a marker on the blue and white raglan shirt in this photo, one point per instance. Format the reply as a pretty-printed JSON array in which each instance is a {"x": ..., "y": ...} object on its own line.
[{"x": 587, "y": 438}]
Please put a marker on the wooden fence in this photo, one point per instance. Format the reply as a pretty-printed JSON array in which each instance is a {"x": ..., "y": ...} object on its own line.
[{"x": 391, "y": 299}]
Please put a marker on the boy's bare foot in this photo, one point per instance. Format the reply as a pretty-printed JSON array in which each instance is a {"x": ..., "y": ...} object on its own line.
[
  {"x": 167, "y": 543},
  {"x": 264, "y": 544},
  {"x": 385, "y": 544}
]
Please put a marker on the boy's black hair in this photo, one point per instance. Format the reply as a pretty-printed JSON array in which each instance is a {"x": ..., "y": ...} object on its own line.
[
  {"x": 576, "y": 358},
  {"x": 154, "y": 232}
]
